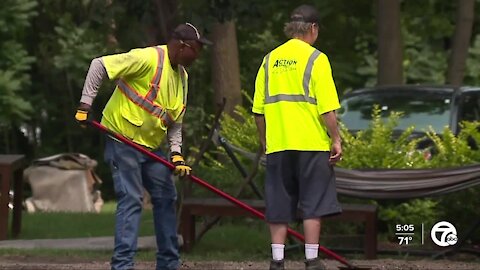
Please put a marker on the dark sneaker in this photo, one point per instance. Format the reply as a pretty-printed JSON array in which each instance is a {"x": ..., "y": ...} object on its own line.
[
  {"x": 315, "y": 264},
  {"x": 277, "y": 265}
]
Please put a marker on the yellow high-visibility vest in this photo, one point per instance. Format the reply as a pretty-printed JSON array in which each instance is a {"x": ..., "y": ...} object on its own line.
[
  {"x": 293, "y": 88},
  {"x": 149, "y": 97}
]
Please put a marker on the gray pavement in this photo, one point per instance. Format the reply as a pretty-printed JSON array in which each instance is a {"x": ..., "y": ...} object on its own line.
[{"x": 94, "y": 243}]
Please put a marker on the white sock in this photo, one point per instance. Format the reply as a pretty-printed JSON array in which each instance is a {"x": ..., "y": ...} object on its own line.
[
  {"x": 311, "y": 251},
  {"x": 278, "y": 252}
]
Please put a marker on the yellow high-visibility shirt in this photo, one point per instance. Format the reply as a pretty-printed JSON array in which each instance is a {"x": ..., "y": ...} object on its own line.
[
  {"x": 293, "y": 88},
  {"x": 142, "y": 107}
]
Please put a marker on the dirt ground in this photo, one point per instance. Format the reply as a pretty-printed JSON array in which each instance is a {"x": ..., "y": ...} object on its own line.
[{"x": 26, "y": 263}]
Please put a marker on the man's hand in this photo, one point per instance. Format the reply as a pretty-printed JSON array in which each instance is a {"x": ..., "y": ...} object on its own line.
[
  {"x": 180, "y": 167},
  {"x": 82, "y": 114},
  {"x": 335, "y": 153}
]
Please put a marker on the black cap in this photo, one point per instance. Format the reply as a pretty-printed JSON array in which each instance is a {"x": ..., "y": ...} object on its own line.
[
  {"x": 187, "y": 31},
  {"x": 305, "y": 13}
]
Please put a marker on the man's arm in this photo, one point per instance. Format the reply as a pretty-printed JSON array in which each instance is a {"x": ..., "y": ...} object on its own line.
[
  {"x": 174, "y": 136},
  {"x": 261, "y": 126},
  {"x": 95, "y": 76},
  {"x": 330, "y": 120}
]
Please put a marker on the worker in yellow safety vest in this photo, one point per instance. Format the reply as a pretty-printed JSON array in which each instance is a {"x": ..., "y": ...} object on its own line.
[
  {"x": 148, "y": 104},
  {"x": 294, "y": 105}
]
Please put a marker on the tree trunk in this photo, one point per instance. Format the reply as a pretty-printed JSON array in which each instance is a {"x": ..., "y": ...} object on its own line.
[
  {"x": 390, "y": 51},
  {"x": 225, "y": 66},
  {"x": 164, "y": 21},
  {"x": 461, "y": 41},
  {"x": 6, "y": 140}
]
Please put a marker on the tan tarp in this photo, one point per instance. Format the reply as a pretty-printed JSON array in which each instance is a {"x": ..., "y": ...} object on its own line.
[{"x": 64, "y": 182}]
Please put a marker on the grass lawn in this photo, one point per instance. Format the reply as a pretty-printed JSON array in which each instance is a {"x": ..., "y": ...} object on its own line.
[
  {"x": 237, "y": 241},
  {"x": 233, "y": 239},
  {"x": 232, "y": 242},
  {"x": 72, "y": 225}
]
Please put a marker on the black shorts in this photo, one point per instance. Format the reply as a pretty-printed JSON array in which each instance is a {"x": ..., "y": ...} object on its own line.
[{"x": 299, "y": 184}]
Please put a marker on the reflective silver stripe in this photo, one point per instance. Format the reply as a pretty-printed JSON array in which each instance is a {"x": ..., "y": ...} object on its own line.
[
  {"x": 147, "y": 105},
  {"x": 183, "y": 77},
  {"x": 307, "y": 75},
  {"x": 265, "y": 67},
  {"x": 131, "y": 94},
  {"x": 155, "y": 84},
  {"x": 285, "y": 97}
]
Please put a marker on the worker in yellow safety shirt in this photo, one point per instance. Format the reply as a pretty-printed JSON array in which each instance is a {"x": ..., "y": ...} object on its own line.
[
  {"x": 294, "y": 105},
  {"x": 148, "y": 104}
]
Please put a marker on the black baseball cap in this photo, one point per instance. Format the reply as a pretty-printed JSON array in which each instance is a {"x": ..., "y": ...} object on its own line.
[
  {"x": 187, "y": 31},
  {"x": 305, "y": 13}
]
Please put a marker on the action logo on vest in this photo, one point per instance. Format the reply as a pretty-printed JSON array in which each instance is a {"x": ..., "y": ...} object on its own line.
[{"x": 283, "y": 65}]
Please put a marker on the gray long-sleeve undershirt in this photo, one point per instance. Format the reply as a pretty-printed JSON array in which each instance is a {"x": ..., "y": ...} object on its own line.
[{"x": 95, "y": 76}]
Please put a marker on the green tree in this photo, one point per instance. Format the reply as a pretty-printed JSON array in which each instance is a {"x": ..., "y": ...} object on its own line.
[
  {"x": 15, "y": 63},
  {"x": 65, "y": 37}
]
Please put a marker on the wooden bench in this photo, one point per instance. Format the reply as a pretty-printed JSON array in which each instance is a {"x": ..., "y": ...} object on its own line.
[
  {"x": 11, "y": 177},
  {"x": 192, "y": 207}
]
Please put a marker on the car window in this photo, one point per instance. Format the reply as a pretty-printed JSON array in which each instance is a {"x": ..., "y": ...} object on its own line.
[
  {"x": 470, "y": 107},
  {"x": 419, "y": 109}
]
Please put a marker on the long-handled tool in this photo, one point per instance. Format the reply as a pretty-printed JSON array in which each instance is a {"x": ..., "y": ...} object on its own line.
[{"x": 216, "y": 190}]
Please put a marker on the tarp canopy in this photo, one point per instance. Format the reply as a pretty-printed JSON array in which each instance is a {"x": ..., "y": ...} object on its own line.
[{"x": 405, "y": 183}]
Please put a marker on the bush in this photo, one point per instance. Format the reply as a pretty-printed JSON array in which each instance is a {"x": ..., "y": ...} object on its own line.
[
  {"x": 376, "y": 147},
  {"x": 218, "y": 168}
]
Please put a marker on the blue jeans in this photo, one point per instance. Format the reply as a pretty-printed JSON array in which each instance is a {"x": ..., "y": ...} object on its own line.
[{"x": 131, "y": 171}]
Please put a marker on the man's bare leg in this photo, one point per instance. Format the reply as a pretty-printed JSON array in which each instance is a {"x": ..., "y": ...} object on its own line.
[
  {"x": 278, "y": 235},
  {"x": 312, "y": 229}
]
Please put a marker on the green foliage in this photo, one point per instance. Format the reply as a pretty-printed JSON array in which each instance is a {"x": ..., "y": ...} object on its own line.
[
  {"x": 15, "y": 61},
  {"x": 415, "y": 211},
  {"x": 11, "y": 106},
  {"x": 423, "y": 64},
  {"x": 473, "y": 63},
  {"x": 455, "y": 151},
  {"x": 16, "y": 58},
  {"x": 241, "y": 133},
  {"x": 16, "y": 15},
  {"x": 218, "y": 168},
  {"x": 379, "y": 147},
  {"x": 425, "y": 56},
  {"x": 77, "y": 47},
  {"x": 427, "y": 27},
  {"x": 451, "y": 150},
  {"x": 376, "y": 147},
  {"x": 219, "y": 171}
]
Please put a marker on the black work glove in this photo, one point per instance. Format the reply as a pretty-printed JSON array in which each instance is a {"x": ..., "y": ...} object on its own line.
[
  {"x": 82, "y": 114},
  {"x": 180, "y": 167}
]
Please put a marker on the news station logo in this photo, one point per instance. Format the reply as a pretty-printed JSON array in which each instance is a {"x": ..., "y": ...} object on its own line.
[{"x": 444, "y": 234}]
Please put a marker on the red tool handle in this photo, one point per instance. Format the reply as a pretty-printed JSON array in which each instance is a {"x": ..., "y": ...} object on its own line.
[{"x": 205, "y": 184}]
